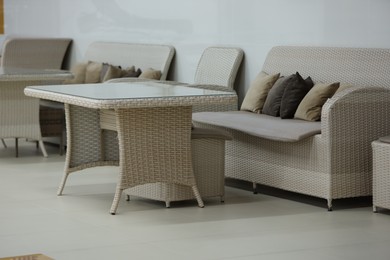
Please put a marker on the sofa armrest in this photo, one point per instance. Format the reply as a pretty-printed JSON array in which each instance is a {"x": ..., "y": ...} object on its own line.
[{"x": 351, "y": 120}]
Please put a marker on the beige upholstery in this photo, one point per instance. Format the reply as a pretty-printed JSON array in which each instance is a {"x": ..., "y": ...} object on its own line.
[
  {"x": 338, "y": 162},
  {"x": 34, "y": 53}
]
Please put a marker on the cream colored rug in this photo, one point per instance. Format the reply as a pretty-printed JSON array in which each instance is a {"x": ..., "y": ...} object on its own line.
[{"x": 28, "y": 257}]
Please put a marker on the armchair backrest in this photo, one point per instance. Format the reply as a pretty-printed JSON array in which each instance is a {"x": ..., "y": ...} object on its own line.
[{"x": 219, "y": 66}]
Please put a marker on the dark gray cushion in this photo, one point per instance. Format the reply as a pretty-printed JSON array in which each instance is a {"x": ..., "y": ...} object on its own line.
[
  {"x": 274, "y": 98},
  {"x": 294, "y": 92}
]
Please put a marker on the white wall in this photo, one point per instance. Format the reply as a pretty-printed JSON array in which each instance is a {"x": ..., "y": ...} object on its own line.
[{"x": 192, "y": 25}]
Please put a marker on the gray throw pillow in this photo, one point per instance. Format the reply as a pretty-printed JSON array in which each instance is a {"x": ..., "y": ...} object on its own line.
[
  {"x": 295, "y": 91},
  {"x": 131, "y": 72},
  {"x": 274, "y": 98}
]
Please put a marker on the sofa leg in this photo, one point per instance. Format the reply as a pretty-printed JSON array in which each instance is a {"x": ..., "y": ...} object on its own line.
[
  {"x": 16, "y": 147},
  {"x": 330, "y": 205},
  {"x": 254, "y": 186},
  {"x": 4, "y": 144}
]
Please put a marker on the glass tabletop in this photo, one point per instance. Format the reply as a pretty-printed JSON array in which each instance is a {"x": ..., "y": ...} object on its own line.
[{"x": 123, "y": 90}]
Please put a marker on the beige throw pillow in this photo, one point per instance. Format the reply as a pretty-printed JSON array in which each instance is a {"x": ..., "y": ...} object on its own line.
[
  {"x": 258, "y": 91},
  {"x": 311, "y": 105},
  {"x": 78, "y": 70},
  {"x": 113, "y": 72},
  {"x": 93, "y": 71},
  {"x": 150, "y": 74}
]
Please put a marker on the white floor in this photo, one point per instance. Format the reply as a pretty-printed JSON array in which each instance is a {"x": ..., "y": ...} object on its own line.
[{"x": 247, "y": 226}]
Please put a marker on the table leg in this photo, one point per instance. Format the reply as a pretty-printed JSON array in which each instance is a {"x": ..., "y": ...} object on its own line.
[
  {"x": 86, "y": 142},
  {"x": 154, "y": 146}
]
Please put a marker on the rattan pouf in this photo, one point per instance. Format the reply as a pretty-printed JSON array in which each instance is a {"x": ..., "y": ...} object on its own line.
[{"x": 381, "y": 173}]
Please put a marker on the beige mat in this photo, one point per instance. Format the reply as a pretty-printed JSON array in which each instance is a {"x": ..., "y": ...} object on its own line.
[{"x": 28, "y": 257}]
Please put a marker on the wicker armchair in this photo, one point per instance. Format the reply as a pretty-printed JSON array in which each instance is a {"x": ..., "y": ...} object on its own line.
[
  {"x": 39, "y": 53},
  {"x": 19, "y": 114}
]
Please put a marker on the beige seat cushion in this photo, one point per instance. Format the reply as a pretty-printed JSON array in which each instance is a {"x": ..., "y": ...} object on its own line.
[
  {"x": 260, "y": 125},
  {"x": 258, "y": 91}
]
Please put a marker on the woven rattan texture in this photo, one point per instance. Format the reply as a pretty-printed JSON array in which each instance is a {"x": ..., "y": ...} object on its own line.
[
  {"x": 160, "y": 148},
  {"x": 338, "y": 162},
  {"x": 356, "y": 66},
  {"x": 208, "y": 157},
  {"x": 381, "y": 174},
  {"x": 218, "y": 66}
]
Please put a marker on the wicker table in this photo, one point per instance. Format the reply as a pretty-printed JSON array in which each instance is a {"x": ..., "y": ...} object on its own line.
[
  {"x": 19, "y": 114},
  {"x": 153, "y": 123}
]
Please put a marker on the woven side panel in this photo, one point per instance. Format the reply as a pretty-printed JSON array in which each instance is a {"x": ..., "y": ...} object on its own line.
[
  {"x": 159, "y": 138},
  {"x": 208, "y": 157},
  {"x": 357, "y": 66},
  {"x": 219, "y": 66},
  {"x": 111, "y": 146},
  {"x": 52, "y": 121},
  {"x": 83, "y": 135},
  {"x": 381, "y": 174}
]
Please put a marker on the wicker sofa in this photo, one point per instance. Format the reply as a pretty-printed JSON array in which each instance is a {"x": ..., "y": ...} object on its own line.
[{"x": 333, "y": 160}]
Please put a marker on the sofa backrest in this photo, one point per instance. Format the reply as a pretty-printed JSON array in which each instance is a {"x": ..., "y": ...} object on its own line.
[
  {"x": 356, "y": 66},
  {"x": 143, "y": 56},
  {"x": 34, "y": 53}
]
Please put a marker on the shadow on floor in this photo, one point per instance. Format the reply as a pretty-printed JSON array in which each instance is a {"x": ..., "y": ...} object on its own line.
[{"x": 338, "y": 204}]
